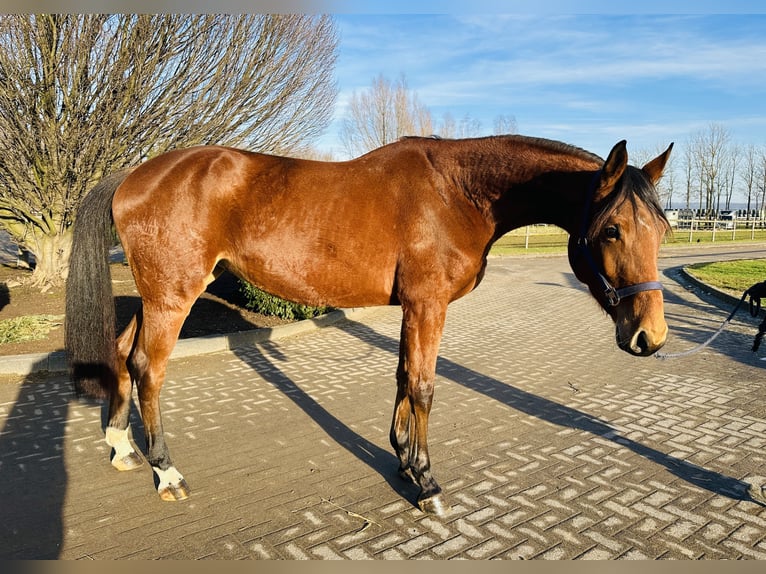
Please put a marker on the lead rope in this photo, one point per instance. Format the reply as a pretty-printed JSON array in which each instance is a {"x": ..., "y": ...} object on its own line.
[{"x": 756, "y": 293}]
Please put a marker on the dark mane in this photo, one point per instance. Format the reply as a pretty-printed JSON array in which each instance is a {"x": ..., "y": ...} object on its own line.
[
  {"x": 543, "y": 143},
  {"x": 556, "y": 146},
  {"x": 634, "y": 186}
]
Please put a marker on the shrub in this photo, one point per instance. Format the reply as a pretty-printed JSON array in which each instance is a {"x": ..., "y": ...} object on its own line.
[{"x": 261, "y": 302}]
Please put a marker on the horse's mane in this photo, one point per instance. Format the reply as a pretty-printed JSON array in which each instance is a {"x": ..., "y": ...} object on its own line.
[
  {"x": 634, "y": 186},
  {"x": 547, "y": 144},
  {"x": 555, "y": 146}
]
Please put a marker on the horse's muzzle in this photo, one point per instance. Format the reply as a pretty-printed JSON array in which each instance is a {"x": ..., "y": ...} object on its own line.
[{"x": 643, "y": 342}]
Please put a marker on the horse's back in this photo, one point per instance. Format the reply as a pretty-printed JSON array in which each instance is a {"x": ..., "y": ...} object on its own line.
[{"x": 314, "y": 232}]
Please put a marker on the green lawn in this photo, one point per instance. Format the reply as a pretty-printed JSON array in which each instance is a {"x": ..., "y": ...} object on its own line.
[
  {"x": 543, "y": 239},
  {"x": 734, "y": 275}
]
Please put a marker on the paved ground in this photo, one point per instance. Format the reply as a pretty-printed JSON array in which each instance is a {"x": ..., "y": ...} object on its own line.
[{"x": 550, "y": 442}]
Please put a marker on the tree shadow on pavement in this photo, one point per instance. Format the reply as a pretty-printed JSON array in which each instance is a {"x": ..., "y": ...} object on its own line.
[{"x": 564, "y": 416}]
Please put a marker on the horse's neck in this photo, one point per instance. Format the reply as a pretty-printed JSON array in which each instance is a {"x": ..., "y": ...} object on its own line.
[{"x": 515, "y": 193}]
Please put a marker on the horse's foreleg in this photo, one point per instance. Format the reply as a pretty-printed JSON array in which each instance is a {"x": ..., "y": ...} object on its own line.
[
  {"x": 124, "y": 455},
  {"x": 421, "y": 333}
]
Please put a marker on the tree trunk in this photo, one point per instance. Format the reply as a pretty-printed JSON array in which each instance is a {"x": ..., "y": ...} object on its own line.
[{"x": 51, "y": 258}]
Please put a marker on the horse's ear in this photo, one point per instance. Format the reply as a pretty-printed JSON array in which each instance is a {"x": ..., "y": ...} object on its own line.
[
  {"x": 612, "y": 171},
  {"x": 654, "y": 168}
]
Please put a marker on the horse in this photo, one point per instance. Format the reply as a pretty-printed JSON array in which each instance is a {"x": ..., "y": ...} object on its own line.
[{"x": 408, "y": 224}]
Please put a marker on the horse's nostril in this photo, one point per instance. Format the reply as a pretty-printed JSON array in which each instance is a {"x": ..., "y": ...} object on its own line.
[
  {"x": 640, "y": 344},
  {"x": 642, "y": 341}
]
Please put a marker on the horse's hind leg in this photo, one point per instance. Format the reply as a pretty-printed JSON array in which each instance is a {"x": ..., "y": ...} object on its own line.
[
  {"x": 157, "y": 336},
  {"x": 124, "y": 455}
]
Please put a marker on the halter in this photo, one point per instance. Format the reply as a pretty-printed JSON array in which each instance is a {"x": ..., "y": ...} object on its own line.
[{"x": 612, "y": 295}]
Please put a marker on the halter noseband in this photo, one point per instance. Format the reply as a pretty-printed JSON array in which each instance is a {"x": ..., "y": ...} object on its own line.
[{"x": 612, "y": 295}]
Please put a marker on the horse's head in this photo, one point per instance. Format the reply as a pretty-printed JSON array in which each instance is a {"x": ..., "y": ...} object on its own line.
[{"x": 616, "y": 252}]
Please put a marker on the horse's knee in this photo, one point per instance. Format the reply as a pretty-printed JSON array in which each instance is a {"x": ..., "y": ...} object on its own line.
[{"x": 421, "y": 392}]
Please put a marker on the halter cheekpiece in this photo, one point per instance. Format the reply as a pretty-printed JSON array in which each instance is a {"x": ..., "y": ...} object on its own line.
[{"x": 612, "y": 295}]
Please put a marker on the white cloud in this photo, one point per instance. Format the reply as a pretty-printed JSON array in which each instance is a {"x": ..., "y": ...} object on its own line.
[{"x": 651, "y": 76}]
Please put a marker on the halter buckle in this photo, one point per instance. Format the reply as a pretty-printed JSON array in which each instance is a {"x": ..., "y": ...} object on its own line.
[{"x": 612, "y": 296}]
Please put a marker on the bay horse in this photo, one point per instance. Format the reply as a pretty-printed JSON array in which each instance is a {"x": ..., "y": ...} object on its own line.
[{"x": 408, "y": 224}]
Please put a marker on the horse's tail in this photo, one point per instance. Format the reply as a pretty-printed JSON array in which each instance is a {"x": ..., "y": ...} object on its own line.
[{"x": 90, "y": 313}]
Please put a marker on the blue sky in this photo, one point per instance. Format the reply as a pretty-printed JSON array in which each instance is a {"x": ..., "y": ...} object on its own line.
[{"x": 589, "y": 79}]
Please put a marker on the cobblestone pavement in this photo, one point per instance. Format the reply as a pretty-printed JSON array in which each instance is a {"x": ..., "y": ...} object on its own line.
[{"x": 549, "y": 442}]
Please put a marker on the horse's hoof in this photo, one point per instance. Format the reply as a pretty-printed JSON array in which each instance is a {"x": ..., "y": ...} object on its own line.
[
  {"x": 171, "y": 485},
  {"x": 435, "y": 504},
  {"x": 130, "y": 461},
  {"x": 175, "y": 492}
]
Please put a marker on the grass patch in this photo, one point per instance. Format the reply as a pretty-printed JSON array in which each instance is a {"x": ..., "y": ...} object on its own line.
[
  {"x": 536, "y": 250},
  {"x": 733, "y": 275},
  {"x": 28, "y": 328}
]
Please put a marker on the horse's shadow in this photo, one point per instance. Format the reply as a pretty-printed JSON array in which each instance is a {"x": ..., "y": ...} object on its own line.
[
  {"x": 33, "y": 474},
  {"x": 5, "y": 296},
  {"x": 695, "y": 322},
  {"x": 262, "y": 360},
  {"x": 564, "y": 416},
  {"x": 33, "y": 469}
]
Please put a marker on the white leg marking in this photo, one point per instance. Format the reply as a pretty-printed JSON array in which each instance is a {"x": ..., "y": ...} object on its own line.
[
  {"x": 119, "y": 441},
  {"x": 169, "y": 478},
  {"x": 125, "y": 457}
]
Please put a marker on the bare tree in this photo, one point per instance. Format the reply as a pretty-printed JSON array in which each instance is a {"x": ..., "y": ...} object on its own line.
[
  {"x": 689, "y": 168},
  {"x": 506, "y": 124},
  {"x": 749, "y": 175},
  {"x": 762, "y": 182},
  {"x": 382, "y": 114},
  {"x": 84, "y": 95},
  {"x": 467, "y": 127},
  {"x": 666, "y": 187},
  {"x": 471, "y": 127},
  {"x": 729, "y": 180},
  {"x": 710, "y": 150}
]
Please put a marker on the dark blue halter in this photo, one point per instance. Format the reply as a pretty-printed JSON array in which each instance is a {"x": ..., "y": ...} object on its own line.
[{"x": 612, "y": 295}]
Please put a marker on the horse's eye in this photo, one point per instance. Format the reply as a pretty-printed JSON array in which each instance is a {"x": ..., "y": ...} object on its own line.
[{"x": 612, "y": 232}]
